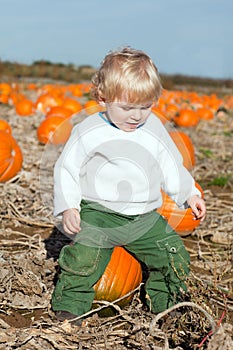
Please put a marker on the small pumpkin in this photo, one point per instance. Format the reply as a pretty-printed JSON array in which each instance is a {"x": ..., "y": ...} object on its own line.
[
  {"x": 186, "y": 117},
  {"x": 4, "y": 98},
  {"x": 205, "y": 113},
  {"x": 24, "y": 107},
  {"x": 4, "y": 126},
  {"x": 11, "y": 157},
  {"x": 45, "y": 101},
  {"x": 122, "y": 275},
  {"x": 185, "y": 146},
  {"x": 54, "y": 130},
  {"x": 5, "y": 88},
  {"x": 181, "y": 220}
]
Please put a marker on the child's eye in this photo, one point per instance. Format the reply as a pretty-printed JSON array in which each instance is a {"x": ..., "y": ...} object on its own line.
[
  {"x": 146, "y": 107},
  {"x": 127, "y": 108}
]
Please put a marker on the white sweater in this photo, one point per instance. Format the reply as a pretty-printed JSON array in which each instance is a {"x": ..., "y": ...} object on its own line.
[{"x": 123, "y": 171}]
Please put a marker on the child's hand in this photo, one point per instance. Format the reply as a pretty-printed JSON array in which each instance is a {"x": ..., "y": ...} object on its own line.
[
  {"x": 198, "y": 207},
  {"x": 71, "y": 221}
]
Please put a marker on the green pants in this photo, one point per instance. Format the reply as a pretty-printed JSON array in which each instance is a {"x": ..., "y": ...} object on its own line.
[{"x": 147, "y": 236}]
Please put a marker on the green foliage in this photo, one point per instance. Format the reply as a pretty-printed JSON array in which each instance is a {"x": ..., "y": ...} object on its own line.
[
  {"x": 220, "y": 181},
  {"x": 228, "y": 133},
  {"x": 206, "y": 153}
]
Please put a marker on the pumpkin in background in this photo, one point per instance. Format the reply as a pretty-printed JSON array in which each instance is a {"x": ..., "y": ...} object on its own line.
[
  {"x": 59, "y": 111},
  {"x": 186, "y": 117},
  {"x": 122, "y": 275},
  {"x": 185, "y": 146},
  {"x": 32, "y": 86},
  {"x": 11, "y": 157},
  {"x": 24, "y": 107},
  {"x": 45, "y": 101},
  {"x": 4, "y": 98},
  {"x": 205, "y": 113},
  {"x": 5, "y": 88},
  {"x": 76, "y": 90},
  {"x": 159, "y": 114},
  {"x": 92, "y": 107},
  {"x": 15, "y": 97},
  {"x": 171, "y": 110},
  {"x": 181, "y": 220},
  {"x": 54, "y": 130},
  {"x": 4, "y": 126},
  {"x": 72, "y": 104}
]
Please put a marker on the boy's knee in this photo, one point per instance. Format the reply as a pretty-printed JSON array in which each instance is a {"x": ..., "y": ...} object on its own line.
[{"x": 79, "y": 259}]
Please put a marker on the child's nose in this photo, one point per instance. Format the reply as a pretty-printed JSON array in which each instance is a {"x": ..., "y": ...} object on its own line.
[{"x": 136, "y": 114}]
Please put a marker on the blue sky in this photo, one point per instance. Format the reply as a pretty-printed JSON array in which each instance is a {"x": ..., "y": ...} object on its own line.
[{"x": 193, "y": 37}]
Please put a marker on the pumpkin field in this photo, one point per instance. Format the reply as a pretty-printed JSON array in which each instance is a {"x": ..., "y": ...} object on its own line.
[{"x": 36, "y": 118}]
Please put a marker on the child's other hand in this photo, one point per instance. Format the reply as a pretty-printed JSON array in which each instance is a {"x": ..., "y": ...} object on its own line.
[
  {"x": 71, "y": 221},
  {"x": 198, "y": 207}
]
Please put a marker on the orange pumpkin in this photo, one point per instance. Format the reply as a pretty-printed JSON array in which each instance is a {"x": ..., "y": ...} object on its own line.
[
  {"x": 11, "y": 157},
  {"x": 24, "y": 107},
  {"x": 157, "y": 111},
  {"x": 15, "y": 97},
  {"x": 185, "y": 146},
  {"x": 59, "y": 111},
  {"x": 4, "y": 98},
  {"x": 4, "y": 126},
  {"x": 31, "y": 86},
  {"x": 205, "y": 113},
  {"x": 45, "y": 101},
  {"x": 181, "y": 220},
  {"x": 171, "y": 110},
  {"x": 5, "y": 88},
  {"x": 72, "y": 104},
  {"x": 122, "y": 274},
  {"x": 186, "y": 117},
  {"x": 75, "y": 89},
  {"x": 92, "y": 107},
  {"x": 54, "y": 130}
]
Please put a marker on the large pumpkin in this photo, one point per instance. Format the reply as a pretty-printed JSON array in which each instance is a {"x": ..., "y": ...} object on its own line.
[
  {"x": 181, "y": 220},
  {"x": 122, "y": 274},
  {"x": 54, "y": 130},
  {"x": 11, "y": 157},
  {"x": 185, "y": 146}
]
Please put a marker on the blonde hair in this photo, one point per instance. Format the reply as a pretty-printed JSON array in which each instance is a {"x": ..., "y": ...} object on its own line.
[{"x": 127, "y": 74}]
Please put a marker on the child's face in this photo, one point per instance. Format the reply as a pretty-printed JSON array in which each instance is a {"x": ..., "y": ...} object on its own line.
[{"x": 127, "y": 116}]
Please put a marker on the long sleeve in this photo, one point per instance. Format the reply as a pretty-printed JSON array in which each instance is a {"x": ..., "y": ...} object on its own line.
[{"x": 67, "y": 190}]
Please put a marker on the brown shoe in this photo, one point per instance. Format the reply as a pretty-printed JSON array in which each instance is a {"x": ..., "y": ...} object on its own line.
[{"x": 66, "y": 315}]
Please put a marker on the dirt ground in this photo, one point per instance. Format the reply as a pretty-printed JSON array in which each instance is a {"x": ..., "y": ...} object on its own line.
[{"x": 30, "y": 244}]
